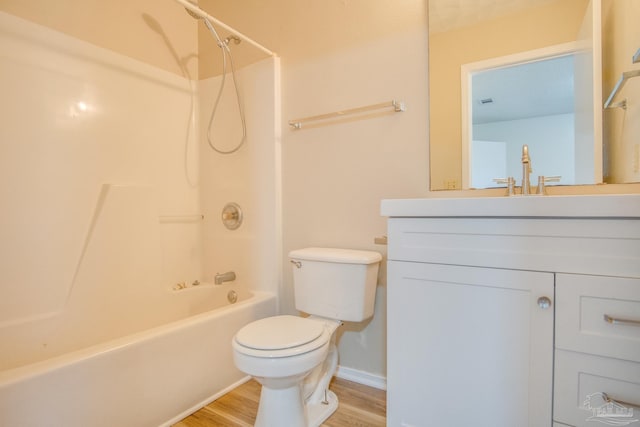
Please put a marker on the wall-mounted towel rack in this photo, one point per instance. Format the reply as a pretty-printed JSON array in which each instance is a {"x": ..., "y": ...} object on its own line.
[
  {"x": 398, "y": 106},
  {"x": 618, "y": 87}
]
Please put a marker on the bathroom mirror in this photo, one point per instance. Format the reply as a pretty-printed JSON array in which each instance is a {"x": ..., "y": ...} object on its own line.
[{"x": 480, "y": 36}]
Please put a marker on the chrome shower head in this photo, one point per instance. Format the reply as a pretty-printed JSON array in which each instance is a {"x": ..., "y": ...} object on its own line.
[
  {"x": 223, "y": 44},
  {"x": 192, "y": 13}
]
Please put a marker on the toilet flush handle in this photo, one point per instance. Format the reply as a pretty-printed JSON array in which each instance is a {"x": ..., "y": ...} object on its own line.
[{"x": 296, "y": 263}]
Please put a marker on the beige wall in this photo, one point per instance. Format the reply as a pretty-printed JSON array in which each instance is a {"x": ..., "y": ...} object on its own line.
[
  {"x": 337, "y": 55},
  {"x": 550, "y": 24},
  {"x": 159, "y": 33},
  {"x": 334, "y": 176}
]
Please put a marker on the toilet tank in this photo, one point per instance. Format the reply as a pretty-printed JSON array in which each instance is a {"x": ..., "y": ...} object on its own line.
[{"x": 335, "y": 283}]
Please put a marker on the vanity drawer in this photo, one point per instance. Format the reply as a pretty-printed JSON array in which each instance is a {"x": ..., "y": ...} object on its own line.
[
  {"x": 583, "y": 305},
  {"x": 580, "y": 379}
]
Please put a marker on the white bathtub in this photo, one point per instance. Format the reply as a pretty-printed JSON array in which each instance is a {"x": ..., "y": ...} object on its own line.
[{"x": 148, "y": 378}]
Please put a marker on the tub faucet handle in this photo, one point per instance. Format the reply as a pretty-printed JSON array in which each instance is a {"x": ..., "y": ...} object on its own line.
[{"x": 220, "y": 278}]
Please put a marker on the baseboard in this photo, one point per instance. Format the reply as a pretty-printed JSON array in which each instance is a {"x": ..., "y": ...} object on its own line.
[{"x": 361, "y": 377}]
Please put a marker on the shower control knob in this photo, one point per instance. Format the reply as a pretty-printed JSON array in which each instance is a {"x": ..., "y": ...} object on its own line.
[
  {"x": 232, "y": 216},
  {"x": 544, "y": 303}
]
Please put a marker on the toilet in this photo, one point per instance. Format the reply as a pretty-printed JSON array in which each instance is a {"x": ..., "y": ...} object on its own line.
[{"x": 293, "y": 357}]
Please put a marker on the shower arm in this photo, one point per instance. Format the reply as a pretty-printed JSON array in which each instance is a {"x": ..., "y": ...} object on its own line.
[{"x": 198, "y": 11}]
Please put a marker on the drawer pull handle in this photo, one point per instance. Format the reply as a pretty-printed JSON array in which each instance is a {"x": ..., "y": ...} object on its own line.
[
  {"x": 608, "y": 399},
  {"x": 615, "y": 321}
]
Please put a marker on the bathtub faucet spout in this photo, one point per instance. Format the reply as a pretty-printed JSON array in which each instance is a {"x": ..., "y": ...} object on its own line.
[{"x": 220, "y": 278}]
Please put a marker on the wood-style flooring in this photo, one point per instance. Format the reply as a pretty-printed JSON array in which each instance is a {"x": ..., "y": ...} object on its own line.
[{"x": 360, "y": 406}]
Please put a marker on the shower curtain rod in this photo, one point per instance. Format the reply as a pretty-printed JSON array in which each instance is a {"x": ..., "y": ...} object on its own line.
[{"x": 198, "y": 11}]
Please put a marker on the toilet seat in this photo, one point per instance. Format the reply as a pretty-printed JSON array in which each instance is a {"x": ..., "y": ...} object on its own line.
[{"x": 281, "y": 336}]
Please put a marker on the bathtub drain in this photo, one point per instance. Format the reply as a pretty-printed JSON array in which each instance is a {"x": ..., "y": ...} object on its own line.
[{"x": 232, "y": 296}]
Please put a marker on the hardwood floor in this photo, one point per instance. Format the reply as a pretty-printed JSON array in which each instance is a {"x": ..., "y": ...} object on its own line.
[{"x": 360, "y": 406}]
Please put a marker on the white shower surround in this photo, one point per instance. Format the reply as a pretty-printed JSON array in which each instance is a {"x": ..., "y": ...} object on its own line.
[{"x": 96, "y": 149}]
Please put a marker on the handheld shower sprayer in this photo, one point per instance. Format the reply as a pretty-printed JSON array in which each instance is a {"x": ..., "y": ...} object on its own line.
[
  {"x": 193, "y": 14},
  {"x": 201, "y": 17},
  {"x": 224, "y": 47}
]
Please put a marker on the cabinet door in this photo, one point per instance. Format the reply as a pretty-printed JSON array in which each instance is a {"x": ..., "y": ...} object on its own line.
[{"x": 468, "y": 346}]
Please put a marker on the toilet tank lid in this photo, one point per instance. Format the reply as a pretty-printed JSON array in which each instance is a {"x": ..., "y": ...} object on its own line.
[{"x": 345, "y": 256}]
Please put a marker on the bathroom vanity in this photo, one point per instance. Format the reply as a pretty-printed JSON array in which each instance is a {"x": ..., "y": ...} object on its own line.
[{"x": 521, "y": 311}]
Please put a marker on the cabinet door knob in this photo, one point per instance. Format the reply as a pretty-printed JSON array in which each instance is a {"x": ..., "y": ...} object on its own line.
[{"x": 544, "y": 303}]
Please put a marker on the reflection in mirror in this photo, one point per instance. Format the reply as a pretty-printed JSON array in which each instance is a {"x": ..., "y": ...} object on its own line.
[
  {"x": 525, "y": 25},
  {"x": 510, "y": 104},
  {"x": 463, "y": 33}
]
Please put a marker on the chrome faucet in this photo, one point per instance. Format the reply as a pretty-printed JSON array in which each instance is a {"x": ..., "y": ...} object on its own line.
[
  {"x": 220, "y": 278},
  {"x": 526, "y": 170}
]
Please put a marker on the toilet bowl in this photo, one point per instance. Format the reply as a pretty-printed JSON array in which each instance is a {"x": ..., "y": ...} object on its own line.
[
  {"x": 279, "y": 352},
  {"x": 331, "y": 285}
]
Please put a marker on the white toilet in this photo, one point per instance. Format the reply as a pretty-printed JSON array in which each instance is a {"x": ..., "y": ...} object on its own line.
[{"x": 294, "y": 358}]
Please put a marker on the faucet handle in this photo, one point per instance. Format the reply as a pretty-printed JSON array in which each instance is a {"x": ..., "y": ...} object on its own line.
[
  {"x": 542, "y": 180},
  {"x": 525, "y": 154},
  {"x": 511, "y": 184}
]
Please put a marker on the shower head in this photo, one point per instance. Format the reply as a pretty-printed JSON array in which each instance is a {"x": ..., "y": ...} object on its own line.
[
  {"x": 194, "y": 14},
  {"x": 203, "y": 17},
  {"x": 226, "y": 41}
]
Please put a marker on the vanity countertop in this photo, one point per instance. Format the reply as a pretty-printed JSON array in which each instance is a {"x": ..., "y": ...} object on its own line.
[{"x": 579, "y": 206}]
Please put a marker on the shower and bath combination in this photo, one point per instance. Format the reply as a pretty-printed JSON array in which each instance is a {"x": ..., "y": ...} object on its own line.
[{"x": 223, "y": 44}]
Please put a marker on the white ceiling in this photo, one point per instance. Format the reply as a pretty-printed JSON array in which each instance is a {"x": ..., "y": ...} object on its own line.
[{"x": 534, "y": 89}]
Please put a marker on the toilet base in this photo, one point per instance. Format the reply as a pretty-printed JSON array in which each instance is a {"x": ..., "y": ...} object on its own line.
[
  {"x": 284, "y": 407},
  {"x": 281, "y": 407},
  {"x": 317, "y": 413}
]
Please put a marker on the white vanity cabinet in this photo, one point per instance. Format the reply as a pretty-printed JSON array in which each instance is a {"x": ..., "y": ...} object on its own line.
[
  {"x": 474, "y": 348},
  {"x": 496, "y": 317}
]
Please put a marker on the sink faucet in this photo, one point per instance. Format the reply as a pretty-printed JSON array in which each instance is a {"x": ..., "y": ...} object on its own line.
[
  {"x": 526, "y": 170},
  {"x": 220, "y": 278}
]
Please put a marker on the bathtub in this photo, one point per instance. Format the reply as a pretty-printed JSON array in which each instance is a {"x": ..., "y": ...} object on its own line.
[{"x": 153, "y": 377}]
